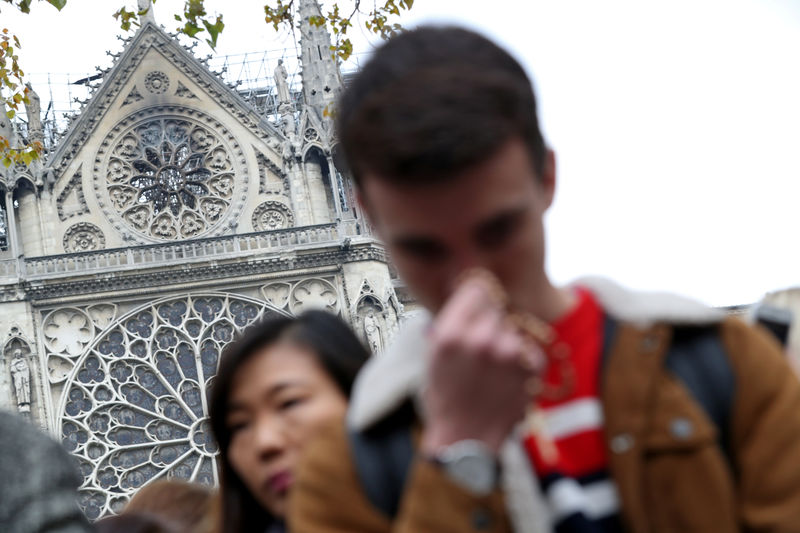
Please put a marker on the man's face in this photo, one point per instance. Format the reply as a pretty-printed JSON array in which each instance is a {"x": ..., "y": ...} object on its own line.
[{"x": 489, "y": 216}]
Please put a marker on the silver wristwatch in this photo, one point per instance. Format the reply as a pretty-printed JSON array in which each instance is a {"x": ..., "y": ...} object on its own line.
[{"x": 470, "y": 465}]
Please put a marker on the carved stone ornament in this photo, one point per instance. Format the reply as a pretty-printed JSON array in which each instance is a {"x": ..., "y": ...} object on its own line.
[
  {"x": 133, "y": 96},
  {"x": 272, "y": 179},
  {"x": 183, "y": 92},
  {"x": 271, "y": 216},
  {"x": 314, "y": 293},
  {"x": 277, "y": 293},
  {"x": 134, "y": 408},
  {"x": 156, "y": 82},
  {"x": 83, "y": 237},
  {"x": 71, "y": 201},
  {"x": 171, "y": 177},
  {"x": 67, "y": 331}
]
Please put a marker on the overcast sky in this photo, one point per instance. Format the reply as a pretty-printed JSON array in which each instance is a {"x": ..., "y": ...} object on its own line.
[{"x": 676, "y": 124}]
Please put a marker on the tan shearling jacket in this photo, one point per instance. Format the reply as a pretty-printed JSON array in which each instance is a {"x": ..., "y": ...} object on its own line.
[{"x": 667, "y": 482}]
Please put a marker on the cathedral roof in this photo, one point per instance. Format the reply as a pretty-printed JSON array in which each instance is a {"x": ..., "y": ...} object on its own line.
[{"x": 116, "y": 80}]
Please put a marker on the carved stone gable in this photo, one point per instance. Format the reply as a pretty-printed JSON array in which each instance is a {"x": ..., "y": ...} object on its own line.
[
  {"x": 272, "y": 178},
  {"x": 70, "y": 201},
  {"x": 155, "y": 83}
]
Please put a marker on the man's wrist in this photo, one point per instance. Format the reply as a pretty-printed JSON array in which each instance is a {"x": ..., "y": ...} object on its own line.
[
  {"x": 470, "y": 464},
  {"x": 435, "y": 437}
]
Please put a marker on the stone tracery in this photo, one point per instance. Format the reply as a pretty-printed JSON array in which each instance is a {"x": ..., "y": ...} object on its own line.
[
  {"x": 83, "y": 237},
  {"x": 156, "y": 82},
  {"x": 171, "y": 177},
  {"x": 271, "y": 216},
  {"x": 134, "y": 407}
]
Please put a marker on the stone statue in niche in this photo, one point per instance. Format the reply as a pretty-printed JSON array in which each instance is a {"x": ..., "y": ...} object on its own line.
[
  {"x": 372, "y": 332},
  {"x": 21, "y": 375},
  {"x": 282, "y": 83}
]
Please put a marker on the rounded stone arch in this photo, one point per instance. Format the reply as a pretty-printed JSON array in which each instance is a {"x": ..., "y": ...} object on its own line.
[{"x": 134, "y": 406}]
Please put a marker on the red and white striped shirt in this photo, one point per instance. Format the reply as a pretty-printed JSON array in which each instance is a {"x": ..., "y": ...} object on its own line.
[{"x": 570, "y": 456}]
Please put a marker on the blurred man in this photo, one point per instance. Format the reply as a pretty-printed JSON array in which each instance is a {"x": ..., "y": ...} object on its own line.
[{"x": 525, "y": 406}]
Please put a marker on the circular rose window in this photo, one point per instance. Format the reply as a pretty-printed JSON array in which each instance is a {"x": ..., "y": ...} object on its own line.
[
  {"x": 134, "y": 408},
  {"x": 170, "y": 178}
]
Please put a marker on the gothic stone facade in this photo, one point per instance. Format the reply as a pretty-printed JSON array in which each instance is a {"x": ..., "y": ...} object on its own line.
[{"x": 169, "y": 217}]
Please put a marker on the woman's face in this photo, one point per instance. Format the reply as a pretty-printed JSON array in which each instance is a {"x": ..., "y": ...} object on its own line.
[{"x": 279, "y": 398}]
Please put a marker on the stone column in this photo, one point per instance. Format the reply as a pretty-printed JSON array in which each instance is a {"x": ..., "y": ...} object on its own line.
[
  {"x": 337, "y": 193},
  {"x": 29, "y": 222},
  {"x": 299, "y": 193},
  {"x": 318, "y": 195},
  {"x": 47, "y": 212}
]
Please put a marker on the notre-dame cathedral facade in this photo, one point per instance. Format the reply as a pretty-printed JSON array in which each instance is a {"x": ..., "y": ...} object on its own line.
[{"x": 169, "y": 216}]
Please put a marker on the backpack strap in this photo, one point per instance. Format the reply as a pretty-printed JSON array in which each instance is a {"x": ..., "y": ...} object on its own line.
[
  {"x": 382, "y": 457},
  {"x": 698, "y": 359}
]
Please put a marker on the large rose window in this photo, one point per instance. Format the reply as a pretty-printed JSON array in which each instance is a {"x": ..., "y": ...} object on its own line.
[
  {"x": 134, "y": 408},
  {"x": 171, "y": 177}
]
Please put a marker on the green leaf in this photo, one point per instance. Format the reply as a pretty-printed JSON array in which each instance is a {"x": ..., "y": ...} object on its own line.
[
  {"x": 11, "y": 113},
  {"x": 7, "y": 161},
  {"x": 27, "y": 157},
  {"x": 178, "y": 18},
  {"x": 58, "y": 4},
  {"x": 191, "y": 29},
  {"x": 214, "y": 30}
]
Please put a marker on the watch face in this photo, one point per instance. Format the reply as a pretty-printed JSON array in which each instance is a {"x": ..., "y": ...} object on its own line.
[
  {"x": 476, "y": 473},
  {"x": 470, "y": 465}
]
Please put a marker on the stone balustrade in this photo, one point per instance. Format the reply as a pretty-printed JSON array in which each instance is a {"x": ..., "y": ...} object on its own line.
[
  {"x": 157, "y": 255},
  {"x": 8, "y": 270}
]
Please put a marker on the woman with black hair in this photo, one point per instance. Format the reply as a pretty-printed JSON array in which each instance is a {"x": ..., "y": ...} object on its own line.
[{"x": 277, "y": 385}]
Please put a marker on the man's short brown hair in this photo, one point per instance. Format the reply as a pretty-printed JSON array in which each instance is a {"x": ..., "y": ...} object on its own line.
[{"x": 434, "y": 101}]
